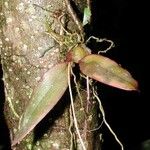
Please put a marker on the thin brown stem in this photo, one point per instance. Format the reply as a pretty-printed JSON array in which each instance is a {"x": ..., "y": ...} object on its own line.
[{"x": 74, "y": 16}]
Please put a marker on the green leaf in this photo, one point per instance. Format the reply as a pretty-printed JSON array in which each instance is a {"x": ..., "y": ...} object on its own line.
[
  {"x": 87, "y": 16},
  {"x": 107, "y": 71},
  {"x": 45, "y": 96}
]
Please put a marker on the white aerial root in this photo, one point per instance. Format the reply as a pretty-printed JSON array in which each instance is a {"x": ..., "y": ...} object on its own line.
[
  {"x": 73, "y": 110},
  {"x": 70, "y": 126},
  {"x": 104, "y": 119},
  {"x": 77, "y": 88},
  {"x": 102, "y": 40}
]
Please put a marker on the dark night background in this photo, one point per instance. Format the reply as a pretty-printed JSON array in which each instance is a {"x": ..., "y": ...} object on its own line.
[
  {"x": 127, "y": 112},
  {"x": 124, "y": 22}
]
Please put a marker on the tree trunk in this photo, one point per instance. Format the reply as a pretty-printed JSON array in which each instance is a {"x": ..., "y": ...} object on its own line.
[{"x": 27, "y": 52}]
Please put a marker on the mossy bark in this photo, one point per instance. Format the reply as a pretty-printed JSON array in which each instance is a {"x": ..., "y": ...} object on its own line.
[{"x": 27, "y": 51}]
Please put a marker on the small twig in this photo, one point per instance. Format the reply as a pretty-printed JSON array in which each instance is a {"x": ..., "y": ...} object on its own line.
[
  {"x": 73, "y": 110},
  {"x": 74, "y": 16},
  {"x": 104, "y": 119},
  {"x": 62, "y": 26}
]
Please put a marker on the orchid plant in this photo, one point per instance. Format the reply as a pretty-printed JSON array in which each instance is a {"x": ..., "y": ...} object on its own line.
[{"x": 54, "y": 82}]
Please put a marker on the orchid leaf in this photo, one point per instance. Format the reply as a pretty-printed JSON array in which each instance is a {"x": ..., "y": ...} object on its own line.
[
  {"x": 45, "y": 96},
  {"x": 107, "y": 71}
]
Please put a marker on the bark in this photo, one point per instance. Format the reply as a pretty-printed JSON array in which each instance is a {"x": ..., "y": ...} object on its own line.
[{"x": 27, "y": 51}]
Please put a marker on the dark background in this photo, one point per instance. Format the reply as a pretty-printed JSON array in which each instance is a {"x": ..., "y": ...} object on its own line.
[
  {"x": 127, "y": 112},
  {"x": 124, "y": 22}
]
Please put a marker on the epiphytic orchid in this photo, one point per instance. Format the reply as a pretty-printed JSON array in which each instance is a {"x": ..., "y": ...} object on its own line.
[{"x": 54, "y": 83}]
